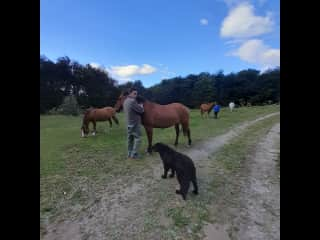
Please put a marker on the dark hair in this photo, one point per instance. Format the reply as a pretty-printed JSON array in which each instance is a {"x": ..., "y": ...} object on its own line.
[{"x": 132, "y": 89}]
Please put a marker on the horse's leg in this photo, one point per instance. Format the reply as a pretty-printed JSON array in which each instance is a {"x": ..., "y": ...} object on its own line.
[
  {"x": 115, "y": 119},
  {"x": 110, "y": 122},
  {"x": 94, "y": 128},
  {"x": 177, "y": 134},
  {"x": 149, "y": 131},
  {"x": 189, "y": 138}
]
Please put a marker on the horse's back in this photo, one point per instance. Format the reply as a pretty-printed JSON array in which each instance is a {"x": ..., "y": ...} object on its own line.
[
  {"x": 109, "y": 110},
  {"x": 163, "y": 116},
  {"x": 180, "y": 108},
  {"x": 102, "y": 114},
  {"x": 206, "y": 106},
  {"x": 182, "y": 112}
]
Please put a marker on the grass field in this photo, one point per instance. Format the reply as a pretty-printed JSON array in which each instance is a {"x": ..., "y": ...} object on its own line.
[{"x": 67, "y": 160}]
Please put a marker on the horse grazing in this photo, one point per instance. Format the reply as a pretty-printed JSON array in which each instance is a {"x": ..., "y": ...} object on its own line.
[
  {"x": 231, "y": 106},
  {"x": 97, "y": 115},
  {"x": 161, "y": 116},
  {"x": 206, "y": 108}
]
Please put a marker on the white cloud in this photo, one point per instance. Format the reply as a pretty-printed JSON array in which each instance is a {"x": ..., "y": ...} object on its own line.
[
  {"x": 203, "y": 21},
  {"x": 242, "y": 23},
  {"x": 125, "y": 73},
  {"x": 98, "y": 66},
  {"x": 146, "y": 69},
  {"x": 95, "y": 65},
  {"x": 256, "y": 52}
]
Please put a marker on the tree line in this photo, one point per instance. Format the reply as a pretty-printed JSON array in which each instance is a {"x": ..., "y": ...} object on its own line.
[{"x": 94, "y": 87}]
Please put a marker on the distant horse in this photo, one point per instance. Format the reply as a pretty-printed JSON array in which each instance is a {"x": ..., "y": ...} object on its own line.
[
  {"x": 231, "y": 106},
  {"x": 206, "y": 108},
  {"x": 161, "y": 116},
  {"x": 97, "y": 115}
]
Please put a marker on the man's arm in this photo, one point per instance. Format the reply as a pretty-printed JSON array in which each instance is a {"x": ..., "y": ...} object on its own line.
[{"x": 137, "y": 107}]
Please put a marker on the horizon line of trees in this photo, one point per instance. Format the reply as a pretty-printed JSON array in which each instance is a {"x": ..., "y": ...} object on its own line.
[{"x": 94, "y": 87}]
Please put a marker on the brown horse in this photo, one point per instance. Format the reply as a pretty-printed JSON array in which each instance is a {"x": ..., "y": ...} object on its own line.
[
  {"x": 161, "y": 116},
  {"x": 97, "y": 115},
  {"x": 206, "y": 108}
]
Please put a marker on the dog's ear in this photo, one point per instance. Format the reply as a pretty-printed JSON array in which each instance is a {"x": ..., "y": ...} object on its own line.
[{"x": 156, "y": 146}]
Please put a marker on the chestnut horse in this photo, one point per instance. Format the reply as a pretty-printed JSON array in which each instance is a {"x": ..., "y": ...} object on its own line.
[
  {"x": 97, "y": 115},
  {"x": 206, "y": 108},
  {"x": 161, "y": 116}
]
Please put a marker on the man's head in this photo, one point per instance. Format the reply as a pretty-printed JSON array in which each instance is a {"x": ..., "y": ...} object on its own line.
[{"x": 133, "y": 92}]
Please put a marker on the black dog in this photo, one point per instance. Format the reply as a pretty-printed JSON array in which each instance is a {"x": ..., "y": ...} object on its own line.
[{"x": 179, "y": 163}]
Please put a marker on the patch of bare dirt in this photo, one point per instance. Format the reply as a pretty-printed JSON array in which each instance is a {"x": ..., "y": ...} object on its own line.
[{"x": 260, "y": 218}]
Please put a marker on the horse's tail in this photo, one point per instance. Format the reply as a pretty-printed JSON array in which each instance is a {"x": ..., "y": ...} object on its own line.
[{"x": 185, "y": 122}]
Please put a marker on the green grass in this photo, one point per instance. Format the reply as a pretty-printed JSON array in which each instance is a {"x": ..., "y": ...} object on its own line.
[
  {"x": 60, "y": 138},
  {"x": 69, "y": 163},
  {"x": 219, "y": 188}
]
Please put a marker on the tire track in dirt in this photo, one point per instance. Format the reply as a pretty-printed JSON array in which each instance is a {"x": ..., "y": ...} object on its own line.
[
  {"x": 119, "y": 212},
  {"x": 260, "y": 218}
]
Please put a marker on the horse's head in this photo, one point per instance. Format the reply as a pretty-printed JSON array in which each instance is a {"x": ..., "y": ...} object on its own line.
[
  {"x": 120, "y": 100},
  {"x": 85, "y": 123},
  {"x": 84, "y": 130}
]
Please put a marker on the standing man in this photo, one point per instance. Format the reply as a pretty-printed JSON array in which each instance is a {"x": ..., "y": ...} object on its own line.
[{"x": 133, "y": 112}]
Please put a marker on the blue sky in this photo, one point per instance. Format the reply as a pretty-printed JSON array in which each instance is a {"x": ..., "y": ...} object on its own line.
[{"x": 153, "y": 40}]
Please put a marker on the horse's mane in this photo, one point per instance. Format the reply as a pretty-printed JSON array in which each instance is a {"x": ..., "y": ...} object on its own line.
[
  {"x": 140, "y": 99},
  {"x": 86, "y": 113}
]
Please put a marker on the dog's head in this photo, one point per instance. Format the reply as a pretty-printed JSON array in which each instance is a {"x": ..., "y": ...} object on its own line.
[{"x": 157, "y": 147}]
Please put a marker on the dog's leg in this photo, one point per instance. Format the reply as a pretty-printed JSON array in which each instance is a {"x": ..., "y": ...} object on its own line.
[
  {"x": 166, "y": 169},
  {"x": 195, "y": 186},
  {"x": 184, "y": 189},
  {"x": 180, "y": 183},
  {"x": 172, "y": 173}
]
